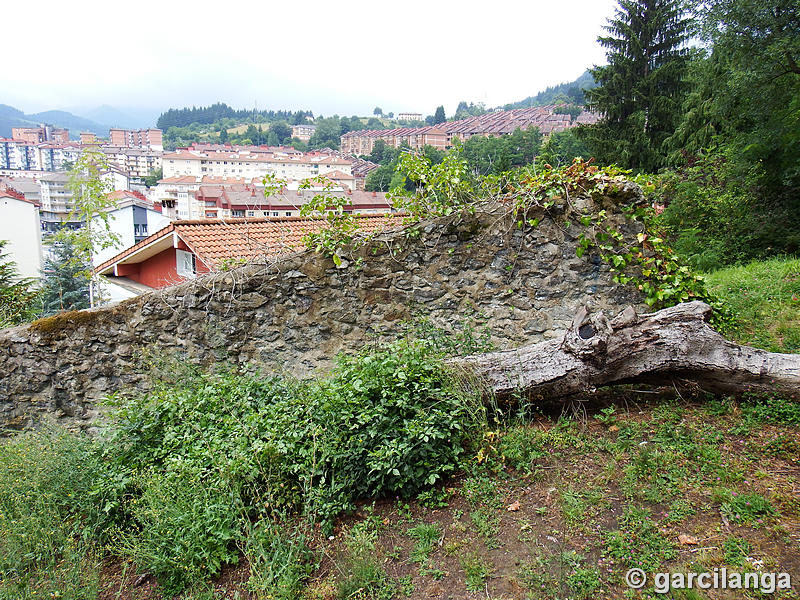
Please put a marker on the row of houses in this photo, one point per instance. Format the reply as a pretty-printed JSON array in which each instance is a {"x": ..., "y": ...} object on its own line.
[
  {"x": 29, "y": 210},
  {"x": 441, "y": 136}
]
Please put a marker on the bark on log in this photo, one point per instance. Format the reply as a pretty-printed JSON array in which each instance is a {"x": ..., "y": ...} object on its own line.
[{"x": 674, "y": 344}]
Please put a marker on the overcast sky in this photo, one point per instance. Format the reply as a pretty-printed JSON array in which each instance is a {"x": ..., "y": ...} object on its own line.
[{"x": 325, "y": 56}]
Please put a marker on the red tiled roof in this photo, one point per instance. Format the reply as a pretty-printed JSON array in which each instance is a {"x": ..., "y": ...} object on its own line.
[
  {"x": 6, "y": 192},
  {"x": 213, "y": 240}
]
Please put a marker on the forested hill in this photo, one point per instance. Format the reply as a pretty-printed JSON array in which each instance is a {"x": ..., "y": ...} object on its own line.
[
  {"x": 182, "y": 117},
  {"x": 572, "y": 92}
]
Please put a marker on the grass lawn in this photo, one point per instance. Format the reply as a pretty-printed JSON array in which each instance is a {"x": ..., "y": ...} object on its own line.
[{"x": 765, "y": 297}]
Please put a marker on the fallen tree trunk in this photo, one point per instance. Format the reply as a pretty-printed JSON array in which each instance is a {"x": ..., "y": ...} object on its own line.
[{"x": 673, "y": 345}]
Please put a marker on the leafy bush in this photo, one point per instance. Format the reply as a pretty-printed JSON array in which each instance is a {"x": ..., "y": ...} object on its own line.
[
  {"x": 195, "y": 458},
  {"x": 717, "y": 213}
]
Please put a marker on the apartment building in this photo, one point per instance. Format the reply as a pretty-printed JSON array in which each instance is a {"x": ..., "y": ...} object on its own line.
[
  {"x": 249, "y": 164},
  {"x": 545, "y": 118},
  {"x": 137, "y": 138},
  {"x": 42, "y": 133},
  {"x": 362, "y": 142},
  {"x": 57, "y": 157},
  {"x": 19, "y": 155},
  {"x": 249, "y": 201},
  {"x": 303, "y": 132},
  {"x": 409, "y": 116},
  {"x": 137, "y": 162}
]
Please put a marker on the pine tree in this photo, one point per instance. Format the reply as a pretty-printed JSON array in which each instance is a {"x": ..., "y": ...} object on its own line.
[
  {"x": 65, "y": 282},
  {"x": 439, "y": 116},
  {"x": 19, "y": 300},
  {"x": 640, "y": 91}
]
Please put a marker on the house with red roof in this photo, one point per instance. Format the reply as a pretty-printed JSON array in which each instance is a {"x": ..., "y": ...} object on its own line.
[{"x": 185, "y": 249}]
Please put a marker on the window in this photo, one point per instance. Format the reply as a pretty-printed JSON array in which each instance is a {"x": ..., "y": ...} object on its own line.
[
  {"x": 237, "y": 213},
  {"x": 185, "y": 263},
  {"x": 275, "y": 214},
  {"x": 251, "y": 213},
  {"x": 288, "y": 213}
]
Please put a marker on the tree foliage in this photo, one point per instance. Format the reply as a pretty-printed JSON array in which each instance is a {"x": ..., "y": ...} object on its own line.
[
  {"x": 65, "y": 279},
  {"x": 182, "y": 117},
  {"x": 91, "y": 202},
  {"x": 19, "y": 299},
  {"x": 641, "y": 90},
  {"x": 735, "y": 192}
]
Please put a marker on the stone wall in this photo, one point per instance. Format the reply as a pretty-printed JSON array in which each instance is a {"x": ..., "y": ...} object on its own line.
[{"x": 296, "y": 313}]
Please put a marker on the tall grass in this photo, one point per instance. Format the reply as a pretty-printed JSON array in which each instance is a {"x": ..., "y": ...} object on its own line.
[
  {"x": 764, "y": 297},
  {"x": 48, "y": 516}
]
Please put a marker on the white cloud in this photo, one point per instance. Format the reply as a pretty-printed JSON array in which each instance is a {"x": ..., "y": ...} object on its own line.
[{"x": 326, "y": 56}]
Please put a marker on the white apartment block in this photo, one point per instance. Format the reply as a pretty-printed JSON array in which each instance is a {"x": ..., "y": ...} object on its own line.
[
  {"x": 137, "y": 162},
  {"x": 19, "y": 155},
  {"x": 55, "y": 157},
  {"x": 248, "y": 164}
]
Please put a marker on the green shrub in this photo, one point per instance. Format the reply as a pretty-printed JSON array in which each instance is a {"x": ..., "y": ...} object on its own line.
[{"x": 201, "y": 454}]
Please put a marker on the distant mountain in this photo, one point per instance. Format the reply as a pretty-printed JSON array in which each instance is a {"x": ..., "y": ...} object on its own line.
[
  {"x": 13, "y": 117},
  {"x": 571, "y": 91},
  {"x": 75, "y": 124}
]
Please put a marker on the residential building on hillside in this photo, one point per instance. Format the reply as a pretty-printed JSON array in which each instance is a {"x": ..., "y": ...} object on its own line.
[
  {"x": 20, "y": 227},
  {"x": 409, "y": 116},
  {"x": 545, "y": 118},
  {"x": 303, "y": 132},
  {"x": 362, "y": 142},
  {"x": 248, "y": 164},
  {"x": 137, "y": 138},
  {"x": 87, "y": 137},
  {"x": 185, "y": 249},
  {"x": 43, "y": 133}
]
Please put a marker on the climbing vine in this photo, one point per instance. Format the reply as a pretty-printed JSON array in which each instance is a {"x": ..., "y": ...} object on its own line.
[{"x": 646, "y": 262}]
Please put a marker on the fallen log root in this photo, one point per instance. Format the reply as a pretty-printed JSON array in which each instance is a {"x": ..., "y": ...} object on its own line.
[{"x": 672, "y": 344}]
